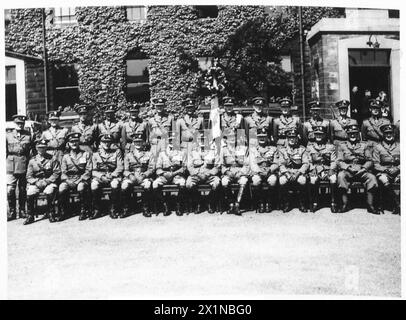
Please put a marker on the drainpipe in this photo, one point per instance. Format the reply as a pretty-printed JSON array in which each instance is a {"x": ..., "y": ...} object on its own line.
[
  {"x": 45, "y": 60},
  {"x": 302, "y": 73}
]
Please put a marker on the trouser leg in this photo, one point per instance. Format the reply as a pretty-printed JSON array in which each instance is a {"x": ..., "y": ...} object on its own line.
[
  {"x": 11, "y": 199},
  {"x": 30, "y": 210},
  {"x": 22, "y": 196}
]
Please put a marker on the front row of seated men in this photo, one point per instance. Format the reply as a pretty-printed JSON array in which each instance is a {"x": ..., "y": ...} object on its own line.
[{"x": 291, "y": 168}]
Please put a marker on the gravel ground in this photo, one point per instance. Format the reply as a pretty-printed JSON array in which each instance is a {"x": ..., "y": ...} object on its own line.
[{"x": 255, "y": 255}]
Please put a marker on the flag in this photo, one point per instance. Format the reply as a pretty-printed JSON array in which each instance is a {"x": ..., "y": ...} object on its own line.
[{"x": 215, "y": 117}]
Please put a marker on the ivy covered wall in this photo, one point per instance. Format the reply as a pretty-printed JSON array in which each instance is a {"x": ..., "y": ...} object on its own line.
[{"x": 172, "y": 37}]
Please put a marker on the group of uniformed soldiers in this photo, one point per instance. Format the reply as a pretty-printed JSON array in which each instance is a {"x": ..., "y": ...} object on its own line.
[{"x": 273, "y": 155}]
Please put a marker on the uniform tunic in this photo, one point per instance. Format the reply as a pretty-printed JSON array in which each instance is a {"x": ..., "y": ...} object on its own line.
[
  {"x": 283, "y": 124},
  {"x": 234, "y": 167},
  {"x": 160, "y": 126},
  {"x": 76, "y": 168},
  {"x": 258, "y": 123},
  {"x": 263, "y": 162},
  {"x": 203, "y": 167},
  {"x": 370, "y": 129},
  {"x": 308, "y": 129},
  {"x": 138, "y": 167},
  {"x": 130, "y": 128},
  {"x": 43, "y": 174},
  {"x": 230, "y": 124},
  {"x": 171, "y": 167},
  {"x": 88, "y": 138},
  {"x": 292, "y": 160},
  {"x": 337, "y": 129},
  {"x": 355, "y": 156},
  {"x": 190, "y": 130},
  {"x": 387, "y": 157},
  {"x": 107, "y": 166},
  {"x": 113, "y": 128},
  {"x": 18, "y": 149},
  {"x": 56, "y": 141},
  {"x": 322, "y": 160}
]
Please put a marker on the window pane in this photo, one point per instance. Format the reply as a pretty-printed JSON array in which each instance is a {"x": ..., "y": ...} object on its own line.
[
  {"x": 10, "y": 74},
  {"x": 65, "y": 75},
  {"x": 369, "y": 57},
  {"x": 137, "y": 79},
  {"x": 136, "y": 13}
]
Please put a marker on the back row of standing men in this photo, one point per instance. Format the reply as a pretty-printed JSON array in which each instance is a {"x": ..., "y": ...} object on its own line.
[{"x": 128, "y": 137}]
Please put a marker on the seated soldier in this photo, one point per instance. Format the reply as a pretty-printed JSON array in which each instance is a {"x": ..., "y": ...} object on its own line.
[
  {"x": 76, "y": 174},
  {"x": 235, "y": 169},
  {"x": 170, "y": 169},
  {"x": 43, "y": 175},
  {"x": 386, "y": 157},
  {"x": 139, "y": 167},
  {"x": 354, "y": 162},
  {"x": 323, "y": 167},
  {"x": 264, "y": 167},
  {"x": 203, "y": 168},
  {"x": 294, "y": 164},
  {"x": 107, "y": 172}
]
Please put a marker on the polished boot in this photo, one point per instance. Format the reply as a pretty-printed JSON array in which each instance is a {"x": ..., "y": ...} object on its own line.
[
  {"x": 210, "y": 202},
  {"x": 167, "y": 210},
  {"x": 334, "y": 207},
  {"x": 196, "y": 201},
  {"x": 114, "y": 210},
  {"x": 179, "y": 202},
  {"x": 302, "y": 198},
  {"x": 229, "y": 199},
  {"x": 396, "y": 200},
  {"x": 285, "y": 200},
  {"x": 370, "y": 203},
  {"x": 344, "y": 201},
  {"x": 146, "y": 203},
  {"x": 237, "y": 210},
  {"x": 260, "y": 199},
  {"x": 30, "y": 211},
  {"x": 314, "y": 195},
  {"x": 95, "y": 205},
  {"x": 21, "y": 204},
  {"x": 63, "y": 203},
  {"x": 268, "y": 199},
  {"x": 11, "y": 207},
  {"x": 53, "y": 217},
  {"x": 125, "y": 199},
  {"x": 83, "y": 211}
]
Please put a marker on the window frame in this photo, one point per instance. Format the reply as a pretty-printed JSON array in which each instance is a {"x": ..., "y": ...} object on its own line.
[
  {"x": 142, "y": 20},
  {"x": 58, "y": 19},
  {"x": 58, "y": 90},
  {"x": 133, "y": 56}
]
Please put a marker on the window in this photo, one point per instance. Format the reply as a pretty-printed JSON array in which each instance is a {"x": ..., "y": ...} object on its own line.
[
  {"x": 137, "y": 13},
  {"x": 64, "y": 15},
  {"x": 369, "y": 57},
  {"x": 10, "y": 74},
  {"x": 137, "y": 77},
  {"x": 207, "y": 11},
  {"x": 66, "y": 85}
]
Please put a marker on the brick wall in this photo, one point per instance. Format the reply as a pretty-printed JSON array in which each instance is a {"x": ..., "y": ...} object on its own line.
[{"x": 34, "y": 87}]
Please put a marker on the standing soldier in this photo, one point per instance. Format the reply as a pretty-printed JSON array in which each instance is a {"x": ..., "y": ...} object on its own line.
[
  {"x": 76, "y": 170},
  {"x": 337, "y": 126},
  {"x": 111, "y": 126},
  {"x": 235, "y": 169},
  {"x": 354, "y": 160},
  {"x": 285, "y": 122},
  {"x": 230, "y": 122},
  {"x": 18, "y": 151},
  {"x": 370, "y": 129},
  {"x": 258, "y": 122},
  {"x": 315, "y": 121},
  {"x": 88, "y": 131},
  {"x": 139, "y": 167},
  {"x": 203, "y": 167},
  {"x": 133, "y": 129},
  {"x": 43, "y": 175},
  {"x": 264, "y": 166},
  {"x": 386, "y": 157},
  {"x": 108, "y": 168},
  {"x": 294, "y": 165},
  {"x": 56, "y": 136},
  {"x": 323, "y": 167},
  {"x": 170, "y": 168},
  {"x": 190, "y": 127},
  {"x": 161, "y": 126}
]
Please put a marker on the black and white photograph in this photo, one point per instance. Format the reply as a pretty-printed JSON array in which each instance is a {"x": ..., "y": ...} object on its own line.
[{"x": 201, "y": 151}]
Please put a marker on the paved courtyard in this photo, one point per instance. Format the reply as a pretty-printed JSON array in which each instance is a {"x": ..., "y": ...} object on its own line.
[{"x": 355, "y": 253}]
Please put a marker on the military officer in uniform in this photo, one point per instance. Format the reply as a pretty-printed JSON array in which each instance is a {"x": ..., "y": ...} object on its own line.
[
  {"x": 294, "y": 164},
  {"x": 111, "y": 126},
  {"x": 315, "y": 121},
  {"x": 76, "y": 170},
  {"x": 170, "y": 169},
  {"x": 190, "y": 127},
  {"x": 337, "y": 126},
  {"x": 139, "y": 169},
  {"x": 88, "y": 131},
  {"x": 203, "y": 167},
  {"x": 43, "y": 175},
  {"x": 235, "y": 169},
  {"x": 135, "y": 127},
  {"x": 323, "y": 167},
  {"x": 231, "y": 124},
  {"x": 18, "y": 151},
  {"x": 354, "y": 162},
  {"x": 386, "y": 156},
  {"x": 258, "y": 121},
  {"x": 285, "y": 122},
  {"x": 108, "y": 166},
  {"x": 56, "y": 136},
  {"x": 162, "y": 127},
  {"x": 370, "y": 128},
  {"x": 264, "y": 167}
]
